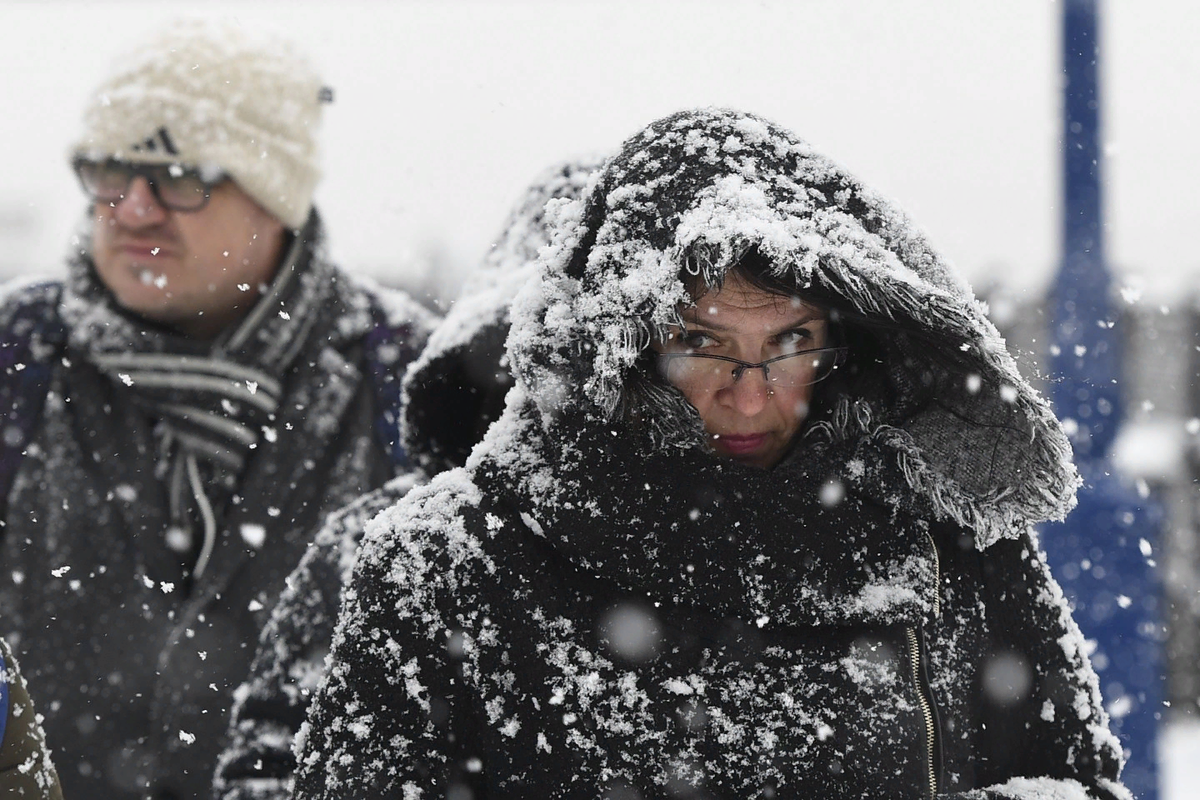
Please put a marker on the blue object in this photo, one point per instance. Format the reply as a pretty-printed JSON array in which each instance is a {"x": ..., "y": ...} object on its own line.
[
  {"x": 3, "y": 699},
  {"x": 1104, "y": 553}
]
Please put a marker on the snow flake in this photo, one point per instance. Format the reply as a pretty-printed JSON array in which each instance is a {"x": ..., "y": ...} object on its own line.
[
  {"x": 1120, "y": 706},
  {"x": 254, "y": 534},
  {"x": 832, "y": 494}
]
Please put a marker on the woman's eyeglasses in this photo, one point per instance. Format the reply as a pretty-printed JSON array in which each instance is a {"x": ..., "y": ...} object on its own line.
[
  {"x": 710, "y": 373},
  {"x": 175, "y": 187}
]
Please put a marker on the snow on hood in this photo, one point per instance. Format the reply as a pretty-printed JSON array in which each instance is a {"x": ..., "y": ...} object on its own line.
[
  {"x": 455, "y": 388},
  {"x": 702, "y": 188}
]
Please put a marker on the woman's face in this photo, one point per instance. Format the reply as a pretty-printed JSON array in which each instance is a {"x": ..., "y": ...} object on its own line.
[{"x": 750, "y": 416}]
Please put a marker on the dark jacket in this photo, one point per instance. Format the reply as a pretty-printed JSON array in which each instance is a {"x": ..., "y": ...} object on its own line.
[
  {"x": 452, "y": 392},
  {"x": 597, "y": 606},
  {"x": 25, "y": 766},
  {"x": 134, "y": 658}
]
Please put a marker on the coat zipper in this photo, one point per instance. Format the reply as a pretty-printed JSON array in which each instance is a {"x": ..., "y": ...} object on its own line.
[
  {"x": 924, "y": 694},
  {"x": 914, "y": 647}
]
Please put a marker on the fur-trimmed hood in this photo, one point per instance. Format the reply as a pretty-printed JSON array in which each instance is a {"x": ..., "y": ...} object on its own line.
[
  {"x": 455, "y": 389},
  {"x": 703, "y": 188}
]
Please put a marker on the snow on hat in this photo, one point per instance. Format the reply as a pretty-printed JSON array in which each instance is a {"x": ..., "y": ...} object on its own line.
[{"x": 213, "y": 97}]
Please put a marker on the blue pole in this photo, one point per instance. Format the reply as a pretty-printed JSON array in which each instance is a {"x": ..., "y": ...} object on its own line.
[{"x": 1104, "y": 553}]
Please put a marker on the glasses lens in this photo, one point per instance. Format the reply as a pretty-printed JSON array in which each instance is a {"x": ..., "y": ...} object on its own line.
[
  {"x": 179, "y": 188},
  {"x": 696, "y": 373},
  {"x": 804, "y": 368},
  {"x": 104, "y": 180},
  {"x": 175, "y": 187}
]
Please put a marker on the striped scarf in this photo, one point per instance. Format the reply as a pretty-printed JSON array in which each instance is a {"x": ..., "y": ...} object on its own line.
[{"x": 213, "y": 401}]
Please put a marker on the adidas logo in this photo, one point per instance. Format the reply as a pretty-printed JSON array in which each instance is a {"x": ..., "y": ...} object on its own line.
[{"x": 161, "y": 140}]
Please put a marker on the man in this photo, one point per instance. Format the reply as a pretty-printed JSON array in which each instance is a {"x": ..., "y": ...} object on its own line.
[{"x": 182, "y": 412}]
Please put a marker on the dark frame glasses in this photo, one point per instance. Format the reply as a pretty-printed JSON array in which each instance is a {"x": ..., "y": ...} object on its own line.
[
  {"x": 175, "y": 187},
  {"x": 829, "y": 359}
]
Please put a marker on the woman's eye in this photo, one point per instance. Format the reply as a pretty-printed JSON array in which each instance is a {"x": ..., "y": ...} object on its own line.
[
  {"x": 693, "y": 340},
  {"x": 798, "y": 339}
]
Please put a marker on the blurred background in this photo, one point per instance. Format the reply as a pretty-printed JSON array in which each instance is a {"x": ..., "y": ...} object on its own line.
[{"x": 444, "y": 111}]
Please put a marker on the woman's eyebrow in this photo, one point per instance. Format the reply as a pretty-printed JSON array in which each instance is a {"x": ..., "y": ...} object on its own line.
[{"x": 689, "y": 316}]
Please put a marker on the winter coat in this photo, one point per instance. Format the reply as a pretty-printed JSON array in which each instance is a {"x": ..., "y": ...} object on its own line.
[
  {"x": 133, "y": 649},
  {"x": 598, "y": 606},
  {"x": 25, "y": 766},
  {"x": 452, "y": 392}
]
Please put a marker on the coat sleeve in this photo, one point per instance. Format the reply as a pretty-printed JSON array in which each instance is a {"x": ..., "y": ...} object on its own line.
[
  {"x": 387, "y": 721},
  {"x": 269, "y": 707},
  {"x": 25, "y": 766},
  {"x": 1056, "y": 743}
]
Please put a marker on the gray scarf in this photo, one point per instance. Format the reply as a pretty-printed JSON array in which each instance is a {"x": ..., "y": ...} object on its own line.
[{"x": 212, "y": 400}]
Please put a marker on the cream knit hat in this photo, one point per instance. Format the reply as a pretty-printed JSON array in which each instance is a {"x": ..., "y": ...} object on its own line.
[{"x": 213, "y": 97}]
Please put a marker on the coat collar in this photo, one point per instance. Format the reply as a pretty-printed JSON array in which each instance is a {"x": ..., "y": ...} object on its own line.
[{"x": 792, "y": 547}]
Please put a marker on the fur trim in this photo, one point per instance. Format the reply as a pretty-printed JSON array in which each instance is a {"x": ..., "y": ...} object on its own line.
[{"x": 691, "y": 194}]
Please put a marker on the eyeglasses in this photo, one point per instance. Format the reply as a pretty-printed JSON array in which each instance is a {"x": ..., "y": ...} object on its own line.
[
  {"x": 175, "y": 187},
  {"x": 702, "y": 372}
]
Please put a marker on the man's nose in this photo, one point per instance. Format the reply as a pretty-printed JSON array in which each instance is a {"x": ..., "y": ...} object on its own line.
[
  {"x": 748, "y": 394},
  {"x": 139, "y": 208}
]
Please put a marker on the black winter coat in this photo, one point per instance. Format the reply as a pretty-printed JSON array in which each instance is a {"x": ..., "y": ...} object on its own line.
[
  {"x": 134, "y": 662},
  {"x": 621, "y": 645},
  {"x": 452, "y": 392},
  {"x": 597, "y": 606}
]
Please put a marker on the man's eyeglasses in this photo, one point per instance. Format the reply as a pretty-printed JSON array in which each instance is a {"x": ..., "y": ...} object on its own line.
[
  {"x": 702, "y": 372},
  {"x": 175, "y": 187}
]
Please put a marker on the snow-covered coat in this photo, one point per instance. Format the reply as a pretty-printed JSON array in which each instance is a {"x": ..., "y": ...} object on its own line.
[
  {"x": 25, "y": 766},
  {"x": 597, "y": 606},
  {"x": 452, "y": 392},
  {"x": 134, "y": 660}
]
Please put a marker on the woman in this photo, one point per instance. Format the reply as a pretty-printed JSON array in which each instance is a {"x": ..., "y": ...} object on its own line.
[
  {"x": 754, "y": 523},
  {"x": 25, "y": 766}
]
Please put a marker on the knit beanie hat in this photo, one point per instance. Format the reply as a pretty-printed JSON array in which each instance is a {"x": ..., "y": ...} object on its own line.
[{"x": 212, "y": 97}]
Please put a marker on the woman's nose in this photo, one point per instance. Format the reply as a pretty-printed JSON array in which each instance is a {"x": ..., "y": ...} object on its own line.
[
  {"x": 748, "y": 394},
  {"x": 139, "y": 208}
]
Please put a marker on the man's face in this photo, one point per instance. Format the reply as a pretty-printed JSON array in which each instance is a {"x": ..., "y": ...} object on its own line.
[{"x": 197, "y": 272}]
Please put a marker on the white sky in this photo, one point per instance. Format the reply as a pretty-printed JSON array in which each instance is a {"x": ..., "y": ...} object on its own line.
[{"x": 445, "y": 110}]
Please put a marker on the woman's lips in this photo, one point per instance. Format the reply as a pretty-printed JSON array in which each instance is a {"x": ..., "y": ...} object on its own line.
[
  {"x": 145, "y": 251},
  {"x": 739, "y": 445}
]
